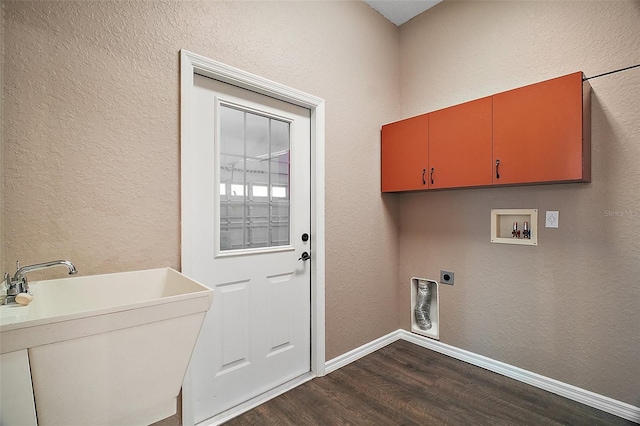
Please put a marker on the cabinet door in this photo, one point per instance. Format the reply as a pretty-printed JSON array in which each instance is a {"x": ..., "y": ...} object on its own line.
[
  {"x": 404, "y": 154},
  {"x": 538, "y": 133},
  {"x": 16, "y": 390},
  {"x": 460, "y": 145}
]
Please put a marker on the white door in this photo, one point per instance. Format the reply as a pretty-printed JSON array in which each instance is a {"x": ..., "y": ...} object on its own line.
[{"x": 250, "y": 187}]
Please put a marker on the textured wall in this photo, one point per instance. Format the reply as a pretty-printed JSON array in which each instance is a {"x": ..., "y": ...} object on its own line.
[
  {"x": 570, "y": 307},
  {"x": 91, "y": 152}
]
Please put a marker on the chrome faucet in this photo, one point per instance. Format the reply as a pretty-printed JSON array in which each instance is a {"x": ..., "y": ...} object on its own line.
[{"x": 19, "y": 283}]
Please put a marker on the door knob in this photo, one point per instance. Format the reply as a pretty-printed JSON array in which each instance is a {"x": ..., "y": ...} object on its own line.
[{"x": 305, "y": 256}]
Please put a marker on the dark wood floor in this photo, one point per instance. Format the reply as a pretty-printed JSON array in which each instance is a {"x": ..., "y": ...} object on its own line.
[{"x": 404, "y": 384}]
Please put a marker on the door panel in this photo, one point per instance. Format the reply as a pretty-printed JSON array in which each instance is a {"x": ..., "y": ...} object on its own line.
[
  {"x": 460, "y": 145},
  {"x": 251, "y": 189},
  {"x": 234, "y": 299}
]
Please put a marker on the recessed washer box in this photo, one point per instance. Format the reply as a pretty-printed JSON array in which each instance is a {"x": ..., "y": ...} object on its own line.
[{"x": 502, "y": 221}]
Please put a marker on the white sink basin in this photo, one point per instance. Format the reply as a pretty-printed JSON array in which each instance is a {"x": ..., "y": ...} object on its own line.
[
  {"x": 107, "y": 349},
  {"x": 67, "y": 298}
]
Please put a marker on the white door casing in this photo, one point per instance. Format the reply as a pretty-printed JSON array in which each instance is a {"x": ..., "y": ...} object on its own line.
[{"x": 277, "y": 269}]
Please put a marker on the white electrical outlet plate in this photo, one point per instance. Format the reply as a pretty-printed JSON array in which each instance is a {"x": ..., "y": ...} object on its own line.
[{"x": 552, "y": 219}]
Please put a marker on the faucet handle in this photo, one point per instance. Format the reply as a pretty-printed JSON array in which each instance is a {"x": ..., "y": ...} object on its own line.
[{"x": 17, "y": 265}]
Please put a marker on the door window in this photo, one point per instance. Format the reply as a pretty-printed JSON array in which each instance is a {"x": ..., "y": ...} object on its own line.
[{"x": 254, "y": 180}]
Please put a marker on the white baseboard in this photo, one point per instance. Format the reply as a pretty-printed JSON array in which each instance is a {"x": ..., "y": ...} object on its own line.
[
  {"x": 254, "y": 402},
  {"x": 583, "y": 396},
  {"x": 357, "y": 353}
]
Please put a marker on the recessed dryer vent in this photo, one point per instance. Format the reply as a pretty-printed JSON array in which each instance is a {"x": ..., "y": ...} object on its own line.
[{"x": 425, "y": 307}]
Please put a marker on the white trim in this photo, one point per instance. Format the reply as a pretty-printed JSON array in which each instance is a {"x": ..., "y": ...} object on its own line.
[
  {"x": 366, "y": 349},
  {"x": 227, "y": 74},
  {"x": 190, "y": 64},
  {"x": 583, "y": 396},
  {"x": 317, "y": 241},
  {"x": 225, "y": 416}
]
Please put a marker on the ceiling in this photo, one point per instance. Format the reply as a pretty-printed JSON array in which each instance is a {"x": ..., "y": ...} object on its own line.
[{"x": 400, "y": 11}]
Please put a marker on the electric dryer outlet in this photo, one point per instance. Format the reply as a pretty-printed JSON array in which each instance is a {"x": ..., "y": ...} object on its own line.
[{"x": 446, "y": 277}]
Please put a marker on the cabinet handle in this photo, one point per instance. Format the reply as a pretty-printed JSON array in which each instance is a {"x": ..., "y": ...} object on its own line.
[
  {"x": 432, "y": 170},
  {"x": 424, "y": 171},
  {"x": 497, "y": 171}
]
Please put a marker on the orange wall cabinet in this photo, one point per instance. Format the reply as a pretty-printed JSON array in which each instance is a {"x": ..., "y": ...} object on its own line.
[
  {"x": 535, "y": 134},
  {"x": 540, "y": 133},
  {"x": 460, "y": 139},
  {"x": 405, "y": 154}
]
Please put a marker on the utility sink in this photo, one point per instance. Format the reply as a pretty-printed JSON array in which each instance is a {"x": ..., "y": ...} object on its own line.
[{"x": 106, "y": 349}]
